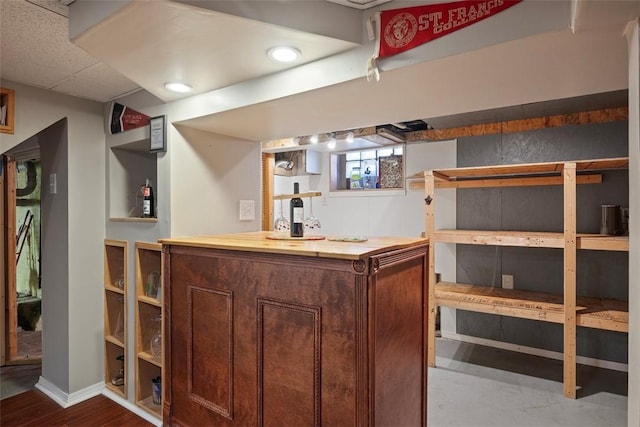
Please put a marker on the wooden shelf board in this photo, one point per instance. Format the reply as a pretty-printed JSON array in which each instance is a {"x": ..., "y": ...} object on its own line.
[
  {"x": 149, "y": 300},
  {"x": 149, "y": 358},
  {"x": 595, "y": 313},
  {"x": 603, "y": 243},
  {"x": 151, "y": 407},
  {"x": 111, "y": 288},
  {"x": 113, "y": 340},
  {"x": 148, "y": 405},
  {"x": 149, "y": 246},
  {"x": 116, "y": 243},
  {"x": 529, "y": 169},
  {"x": 301, "y": 195},
  {"x": 507, "y": 182},
  {"x": 501, "y": 238},
  {"x": 132, "y": 219},
  {"x": 116, "y": 389},
  {"x": 531, "y": 239}
]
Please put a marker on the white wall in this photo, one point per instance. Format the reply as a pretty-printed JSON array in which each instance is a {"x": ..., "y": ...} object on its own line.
[
  {"x": 55, "y": 256},
  {"x": 210, "y": 175},
  {"x": 633, "y": 38},
  {"x": 86, "y": 230},
  {"x": 377, "y": 213},
  {"x": 72, "y": 254}
]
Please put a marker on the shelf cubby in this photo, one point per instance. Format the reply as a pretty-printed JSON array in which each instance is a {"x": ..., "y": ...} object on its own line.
[
  {"x": 115, "y": 313},
  {"x": 149, "y": 323},
  {"x": 147, "y": 371},
  {"x": 113, "y": 367}
]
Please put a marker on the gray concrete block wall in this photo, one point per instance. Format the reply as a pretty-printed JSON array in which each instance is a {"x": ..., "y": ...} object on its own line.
[{"x": 601, "y": 274}]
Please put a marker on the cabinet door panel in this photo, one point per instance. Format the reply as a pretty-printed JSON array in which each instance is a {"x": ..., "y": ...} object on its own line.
[
  {"x": 210, "y": 349},
  {"x": 288, "y": 364},
  {"x": 207, "y": 388},
  {"x": 400, "y": 368}
]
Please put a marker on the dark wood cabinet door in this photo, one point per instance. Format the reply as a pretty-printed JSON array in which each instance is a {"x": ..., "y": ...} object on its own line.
[{"x": 259, "y": 343}]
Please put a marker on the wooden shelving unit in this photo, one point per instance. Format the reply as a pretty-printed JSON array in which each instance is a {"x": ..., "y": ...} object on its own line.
[
  {"x": 566, "y": 309},
  {"x": 115, "y": 314},
  {"x": 149, "y": 321}
]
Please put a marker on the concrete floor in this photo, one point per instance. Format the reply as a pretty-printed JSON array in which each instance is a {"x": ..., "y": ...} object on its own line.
[{"x": 475, "y": 386}]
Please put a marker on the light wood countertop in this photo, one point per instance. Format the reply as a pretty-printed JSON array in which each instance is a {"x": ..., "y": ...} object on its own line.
[{"x": 258, "y": 242}]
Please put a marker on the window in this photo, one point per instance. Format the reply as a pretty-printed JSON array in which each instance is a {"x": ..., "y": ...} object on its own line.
[{"x": 368, "y": 169}]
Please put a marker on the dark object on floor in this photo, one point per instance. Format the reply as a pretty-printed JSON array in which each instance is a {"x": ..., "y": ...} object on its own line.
[
  {"x": 35, "y": 409},
  {"x": 29, "y": 311}
]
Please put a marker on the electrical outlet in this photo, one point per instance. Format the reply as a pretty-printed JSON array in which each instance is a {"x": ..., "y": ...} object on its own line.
[
  {"x": 507, "y": 281},
  {"x": 247, "y": 210}
]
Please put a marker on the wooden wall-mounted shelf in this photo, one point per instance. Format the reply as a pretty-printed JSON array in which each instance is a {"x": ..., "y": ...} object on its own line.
[
  {"x": 300, "y": 195},
  {"x": 7, "y": 103}
]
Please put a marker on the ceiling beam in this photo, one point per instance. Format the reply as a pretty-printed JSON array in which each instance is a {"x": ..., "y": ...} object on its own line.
[{"x": 522, "y": 125}]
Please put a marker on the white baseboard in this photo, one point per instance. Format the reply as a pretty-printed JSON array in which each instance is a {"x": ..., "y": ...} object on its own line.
[
  {"x": 65, "y": 399},
  {"x": 598, "y": 363},
  {"x": 131, "y": 407}
]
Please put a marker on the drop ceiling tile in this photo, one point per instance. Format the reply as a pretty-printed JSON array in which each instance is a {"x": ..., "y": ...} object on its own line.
[
  {"x": 55, "y": 6},
  {"x": 22, "y": 70},
  {"x": 42, "y": 34},
  {"x": 101, "y": 82},
  {"x": 35, "y": 50}
]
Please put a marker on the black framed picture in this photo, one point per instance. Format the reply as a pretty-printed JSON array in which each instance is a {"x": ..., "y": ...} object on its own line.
[{"x": 157, "y": 134}]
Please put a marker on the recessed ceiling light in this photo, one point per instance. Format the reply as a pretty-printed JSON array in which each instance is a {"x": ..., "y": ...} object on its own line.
[
  {"x": 283, "y": 53},
  {"x": 178, "y": 87}
]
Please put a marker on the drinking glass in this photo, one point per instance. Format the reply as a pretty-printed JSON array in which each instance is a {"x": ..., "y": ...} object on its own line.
[
  {"x": 281, "y": 223},
  {"x": 311, "y": 223},
  {"x": 155, "y": 347}
]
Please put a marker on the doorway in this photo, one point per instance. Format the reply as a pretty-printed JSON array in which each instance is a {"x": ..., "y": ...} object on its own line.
[{"x": 23, "y": 297}]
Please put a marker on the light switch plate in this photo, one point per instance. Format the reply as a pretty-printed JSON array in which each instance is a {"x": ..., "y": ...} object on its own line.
[
  {"x": 53, "y": 185},
  {"x": 247, "y": 210}
]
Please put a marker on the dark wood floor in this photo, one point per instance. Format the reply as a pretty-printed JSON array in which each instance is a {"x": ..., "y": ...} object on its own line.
[{"x": 33, "y": 408}]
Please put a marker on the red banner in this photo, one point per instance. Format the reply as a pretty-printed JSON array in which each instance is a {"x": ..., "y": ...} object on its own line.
[
  {"x": 402, "y": 29},
  {"x": 123, "y": 118}
]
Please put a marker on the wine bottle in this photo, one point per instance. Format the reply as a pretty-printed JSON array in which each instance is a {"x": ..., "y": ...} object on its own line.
[
  {"x": 148, "y": 205},
  {"x": 297, "y": 213}
]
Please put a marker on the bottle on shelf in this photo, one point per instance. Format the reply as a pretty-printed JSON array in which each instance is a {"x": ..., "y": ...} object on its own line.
[
  {"x": 148, "y": 202},
  {"x": 297, "y": 213}
]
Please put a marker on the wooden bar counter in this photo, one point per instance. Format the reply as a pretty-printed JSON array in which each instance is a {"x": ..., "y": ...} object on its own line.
[{"x": 262, "y": 332}]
